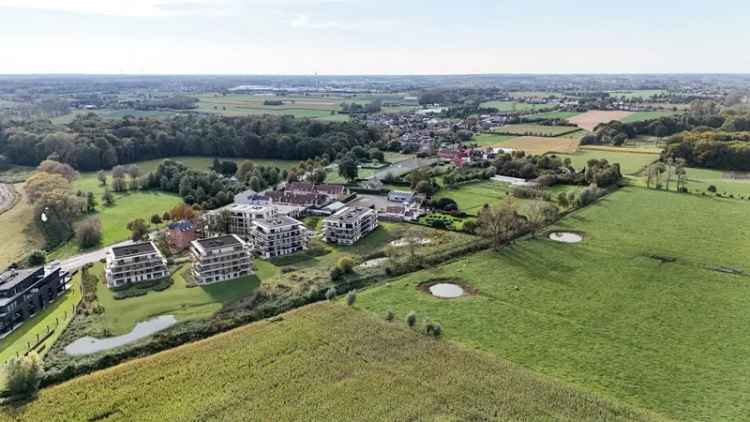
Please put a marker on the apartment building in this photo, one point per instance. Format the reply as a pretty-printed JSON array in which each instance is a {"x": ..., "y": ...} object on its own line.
[
  {"x": 220, "y": 258},
  {"x": 23, "y": 293},
  {"x": 278, "y": 236},
  {"x": 136, "y": 263},
  {"x": 241, "y": 216},
  {"x": 349, "y": 224}
]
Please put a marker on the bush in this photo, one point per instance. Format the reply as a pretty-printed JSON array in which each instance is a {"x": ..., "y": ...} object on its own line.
[
  {"x": 336, "y": 274},
  {"x": 331, "y": 294},
  {"x": 24, "y": 375},
  {"x": 411, "y": 319},
  {"x": 346, "y": 265},
  {"x": 38, "y": 257},
  {"x": 711, "y": 189},
  {"x": 437, "y": 330},
  {"x": 156, "y": 219},
  {"x": 89, "y": 233},
  {"x": 470, "y": 226},
  {"x": 390, "y": 316},
  {"x": 351, "y": 297}
]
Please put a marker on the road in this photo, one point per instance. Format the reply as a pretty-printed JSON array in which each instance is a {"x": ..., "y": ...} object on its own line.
[{"x": 88, "y": 257}]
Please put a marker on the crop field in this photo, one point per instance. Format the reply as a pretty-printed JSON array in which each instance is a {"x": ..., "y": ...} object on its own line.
[
  {"x": 536, "y": 130},
  {"x": 644, "y": 94},
  {"x": 301, "y": 368},
  {"x": 535, "y": 94},
  {"x": 591, "y": 119},
  {"x": 513, "y": 106},
  {"x": 647, "y": 115},
  {"x": 630, "y": 162},
  {"x": 490, "y": 139},
  {"x": 538, "y": 145},
  {"x": 553, "y": 115},
  {"x": 643, "y": 310},
  {"x": 20, "y": 234}
]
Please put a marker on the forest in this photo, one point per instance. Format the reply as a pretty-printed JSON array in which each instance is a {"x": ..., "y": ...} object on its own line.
[{"x": 91, "y": 143}]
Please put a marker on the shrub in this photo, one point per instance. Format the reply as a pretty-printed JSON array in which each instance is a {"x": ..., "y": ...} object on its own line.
[
  {"x": 331, "y": 294},
  {"x": 390, "y": 316},
  {"x": 38, "y": 257},
  {"x": 411, "y": 319},
  {"x": 351, "y": 297},
  {"x": 24, "y": 375},
  {"x": 711, "y": 189},
  {"x": 437, "y": 330},
  {"x": 156, "y": 219},
  {"x": 346, "y": 265},
  {"x": 89, "y": 233},
  {"x": 336, "y": 274},
  {"x": 470, "y": 226}
]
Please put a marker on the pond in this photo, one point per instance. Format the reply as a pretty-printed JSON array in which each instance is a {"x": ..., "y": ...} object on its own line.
[
  {"x": 565, "y": 237},
  {"x": 446, "y": 290},
  {"x": 87, "y": 345}
]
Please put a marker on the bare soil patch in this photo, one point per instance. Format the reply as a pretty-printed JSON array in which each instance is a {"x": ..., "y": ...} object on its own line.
[{"x": 591, "y": 119}]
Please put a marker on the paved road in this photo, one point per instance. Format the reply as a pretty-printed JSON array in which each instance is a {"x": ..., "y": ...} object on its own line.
[{"x": 88, "y": 257}]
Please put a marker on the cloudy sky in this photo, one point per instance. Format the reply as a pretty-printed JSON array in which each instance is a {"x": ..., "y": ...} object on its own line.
[{"x": 373, "y": 37}]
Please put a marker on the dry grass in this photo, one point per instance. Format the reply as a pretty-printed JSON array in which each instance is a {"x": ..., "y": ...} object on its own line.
[
  {"x": 19, "y": 235},
  {"x": 634, "y": 150},
  {"x": 537, "y": 145},
  {"x": 591, "y": 119},
  {"x": 321, "y": 362}
]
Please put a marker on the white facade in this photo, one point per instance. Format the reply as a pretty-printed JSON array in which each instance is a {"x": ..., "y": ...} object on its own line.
[
  {"x": 279, "y": 236},
  {"x": 220, "y": 258},
  {"x": 136, "y": 263},
  {"x": 348, "y": 225}
]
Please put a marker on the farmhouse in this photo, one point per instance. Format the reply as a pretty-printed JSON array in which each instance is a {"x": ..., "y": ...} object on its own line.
[
  {"x": 220, "y": 258},
  {"x": 136, "y": 263},
  {"x": 23, "y": 293},
  {"x": 278, "y": 236},
  {"x": 348, "y": 225}
]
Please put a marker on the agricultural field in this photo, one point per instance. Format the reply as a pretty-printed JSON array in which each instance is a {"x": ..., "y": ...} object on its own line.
[
  {"x": 244, "y": 105},
  {"x": 644, "y": 94},
  {"x": 515, "y": 106},
  {"x": 640, "y": 116},
  {"x": 726, "y": 183},
  {"x": 564, "y": 115},
  {"x": 591, "y": 119},
  {"x": 20, "y": 234},
  {"x": 536, "y": 130},
  {"x": 300, "y": 367},
  {"x": 490, "y": 139},
  {"x": 535, "y": 94},
  {"x": 645, "y": 310},
  {"x": 630, "y": 162},
  {"x": 534, "y": 145}
]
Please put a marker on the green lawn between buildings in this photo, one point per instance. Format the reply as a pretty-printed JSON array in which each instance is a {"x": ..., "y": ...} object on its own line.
[
  {"x": 321, "y": 362},
  {"x": 607, "y": 314}
]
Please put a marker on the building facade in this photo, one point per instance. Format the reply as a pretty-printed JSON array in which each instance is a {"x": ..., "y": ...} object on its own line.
[
  {"x": 220, "y": 258},
  {"x": 180, "y": 234},
  {"x": 136, "y": 263},
  {"x": 278, "y": 236},
  {"x": 349, "y": 224},
  {"x": 23, "y": 293}
]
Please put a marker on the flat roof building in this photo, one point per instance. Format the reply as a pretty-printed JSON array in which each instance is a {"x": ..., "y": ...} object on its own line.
[
  {"x": 349, "y": 225},
  {"x": 220, "y": 258},
  {"x": 23, "y": 293},
  {"x": 278, "y": 236},
  {"x": 135, "y": 263}
]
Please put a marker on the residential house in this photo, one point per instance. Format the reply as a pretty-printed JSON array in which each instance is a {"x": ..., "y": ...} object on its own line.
[
  {"x": 136, "y": 263},
  {"x": 278, "y": 236},
  {"x": 349, "y": 224},
  {"x": 220, "y": 258}
]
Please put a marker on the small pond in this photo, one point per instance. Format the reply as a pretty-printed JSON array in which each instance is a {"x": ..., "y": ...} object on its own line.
[
  {"x": 565, "y": 237},
  {"x": 446, "y": 290},
  {"x": 87, "y": 345}
]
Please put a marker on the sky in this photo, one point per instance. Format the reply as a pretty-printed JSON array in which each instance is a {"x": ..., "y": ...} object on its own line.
[{"x": 351, "y": 37}]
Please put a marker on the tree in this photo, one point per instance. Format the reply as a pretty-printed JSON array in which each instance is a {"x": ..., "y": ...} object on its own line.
[
  {"x": 351, "y": 297},
  {"x": 377, "y": 155},
  {"x": 138, "y": 229},
  {"x": 89, "y": 233},
  {"x": 411, "y": 319},
  {"x": 108, "y": 198},
  {"x": 346, "y": 265},
  {"x": 182, "y": 212},
  {"x": 101, "y": 176},
  {"x": 54, "y": 167},
  {"x": 38, "y": 257},
  {"x": 500, "y": 223},
  {"x": 119, "y": 184},
  {"x": 562, "y": 200},
  {"x": 536, "y": 217},
  {"x": 166, "y": 216},
  {"x": 156, "y": 219},
  {"x": 318, "y": 175},
  {"x": 331, "y": 294},
  {"x": 348, "y": 169},
  {"x": 24, "y": 375},
  {"x": 90, "y": 202}
]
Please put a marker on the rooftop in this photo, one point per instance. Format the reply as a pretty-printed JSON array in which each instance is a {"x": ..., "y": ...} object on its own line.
[
  {"x": 9, "y": 279},
  {"x": 277, "y": 221},
  {"x": 134, "y": 249},
  {"x": 220, "y": 241},
  {"x": 350, "y": 213}
]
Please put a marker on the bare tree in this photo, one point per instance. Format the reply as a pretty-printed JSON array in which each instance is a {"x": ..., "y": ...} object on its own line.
[{"x": 500, "y": 223}]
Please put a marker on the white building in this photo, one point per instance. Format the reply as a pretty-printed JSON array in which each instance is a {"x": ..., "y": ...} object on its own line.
[
  {"x": 241, "y": 216},
  {"x": 348, "y": 225},
  {"x": 220, "y": 258},
  {"x": 136, "y": 263},
  {"x": 278, "y": 236}
]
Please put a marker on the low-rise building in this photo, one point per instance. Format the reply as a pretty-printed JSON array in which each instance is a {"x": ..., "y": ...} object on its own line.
[
  {"x": 278, "y": 236},
  {"x": 23, "y": 293},
  {"x": 220, "y": 258},
  {"x": 180, "y": 234},
  {"x": 136, "y": 263},
  {"x": 348, "y": 225}
]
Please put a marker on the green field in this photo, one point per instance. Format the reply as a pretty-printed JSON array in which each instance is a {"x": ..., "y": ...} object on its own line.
[
  {"x": 535, "y": 94},
  {"x": 645, "y": 94},
  {"x": 552, "y": 115},
  {"x": 491, "y": 140},
  {"x": 510, "y": 106},
  {"x": 321, "y": 362},
  {"x": 634, "y": 312},
  {"x": 700, "y": 179},
  {"x": 640, "y": 116},
  {"x": 630, "y": 162},
  {"x": 471, "y": 197},
  {"x": 536, "y": 130}
]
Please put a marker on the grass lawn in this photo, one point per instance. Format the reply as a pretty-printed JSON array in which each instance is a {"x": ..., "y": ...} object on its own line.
[
  {"x": 20, "y": 234},
  {"x": 511, "y": 106},
  {"x": 471, "y": 197},
  {"x": 534, "y": 145},
  {"x": 490, "y": 140},
  {"x": 298, "y": 106},
  {"x": 536, "y": 130},
  {"x": 670, "y": 336},
  {"x": 321, "y": 362},
  {"x": 644, "y": 94},
  {"x": 61, "y": 309},
  {"x": 647, "y": 115},
  {"x": 333, "y": 174},
  {"x": 183, "y": 302},
  {"x": 700, "y": 179},
  {"x": 630, "y": 162}
]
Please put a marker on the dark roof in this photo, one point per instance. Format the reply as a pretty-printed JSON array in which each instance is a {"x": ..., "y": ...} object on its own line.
[
  {"x": 9, "y": 279},
  {"x": 182, "y": 225},
  {"x": 219, "y": 241},
  {"x": 134, "y": 249},
  {"x": 277, "y": 221}
]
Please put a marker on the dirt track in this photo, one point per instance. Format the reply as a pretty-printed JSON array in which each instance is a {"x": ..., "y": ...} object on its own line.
[{"x": 8, "y": 197}]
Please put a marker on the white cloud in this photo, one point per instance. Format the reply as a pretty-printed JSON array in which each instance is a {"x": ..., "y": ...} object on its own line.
[
  {"x": 304, "y": 22},
  {"x": 131, "y": 8}
]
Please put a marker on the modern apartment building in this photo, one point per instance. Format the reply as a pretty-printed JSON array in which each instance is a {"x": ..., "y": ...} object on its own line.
[
  {"x": 278, "y": 236},
  {"x": 220, "y": 258},
  {"x": 23, "y": 293},
  {"x": 241, "y": 216},
  {"x": 136, "y": 263},
  {"x": 349, "y": 224}
]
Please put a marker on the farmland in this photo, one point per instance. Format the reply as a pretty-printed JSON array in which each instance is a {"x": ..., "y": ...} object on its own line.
[
  {"x": 536, "y": 130},
  {"x": 529, "y": 144},
  {"x": 644, "y": 94},
  {"x": 471, "y": 197},
  {"x": 647, "y": 115},
  {"x": 321, "y": 362},
  {"x": 726, "y": 183},
  {"x": 591, "y": 119},
  {"x": 564, "y": 115},
  {"x": 630, "y": 162},
  {"x": 643, "y": 318},
  {"x": 514, "y": 106},
  {"x": 20, "y": 234}
]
